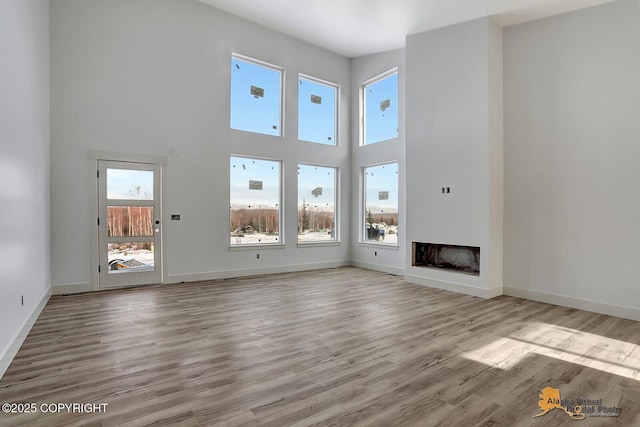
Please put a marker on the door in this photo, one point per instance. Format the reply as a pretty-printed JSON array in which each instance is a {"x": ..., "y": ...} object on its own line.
[{"x": 129, "y": 228}]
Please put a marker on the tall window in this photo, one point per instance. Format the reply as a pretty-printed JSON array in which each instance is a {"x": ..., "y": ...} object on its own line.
[
  {"x": 256, "y": 96},
  {"x": 317, "y": 111},
  {"x": 381, "y": 204},
  {"x": 316, "y": 203},
  {"x": 380, "y": 100},
  {"x": 255, "y": 194}
]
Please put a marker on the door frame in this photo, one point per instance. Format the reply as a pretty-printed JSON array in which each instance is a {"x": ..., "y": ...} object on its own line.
[{"x": 97, "y": 155}]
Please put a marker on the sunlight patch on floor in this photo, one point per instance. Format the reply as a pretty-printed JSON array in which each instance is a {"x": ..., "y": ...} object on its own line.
[{"x": 569, "y": 345}]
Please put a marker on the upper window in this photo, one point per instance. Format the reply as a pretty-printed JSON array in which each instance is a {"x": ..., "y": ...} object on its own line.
[
  {"x": 381, "y": 204},
  {"x": 254, "y": 201},
  {"x": 317, "y": 111},
  {"x": 256, "y": 96},
  {"x": 316, "y": 203},
  {"x": 380, "y": 99},
  {"x": 127, "y": 184}
]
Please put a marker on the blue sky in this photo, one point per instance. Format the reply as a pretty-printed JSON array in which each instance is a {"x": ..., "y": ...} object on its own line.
[
  {"x": 382, "y": 178},
  {"x": 243, "y": 170},
  {"x": 316, "y": 122},
  {"x": 311, "y": 177},
  {"x": 248, "y": 112},
  {"x": 122, "y": 183},
  {"x": 381, "y": 125}
]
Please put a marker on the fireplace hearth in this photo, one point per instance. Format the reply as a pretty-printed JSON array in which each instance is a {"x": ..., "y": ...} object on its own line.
[{"x": 460, "y": 259}]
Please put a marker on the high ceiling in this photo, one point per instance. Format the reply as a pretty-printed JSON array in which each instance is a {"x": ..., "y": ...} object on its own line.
[{"x": 360, "y": 27}]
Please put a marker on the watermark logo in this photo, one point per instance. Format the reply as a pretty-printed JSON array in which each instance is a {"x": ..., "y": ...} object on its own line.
[{"x": 577, "y": 409}]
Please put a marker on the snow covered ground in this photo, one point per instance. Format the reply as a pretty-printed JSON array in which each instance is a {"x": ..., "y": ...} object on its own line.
[
  {"x": 390, "y": 236},
  {"x": 252, "y": 239},
  {"x": 143, "y": 256},
  {"x": 258, "y": 238},
  {"x": 316, "y": 236}
]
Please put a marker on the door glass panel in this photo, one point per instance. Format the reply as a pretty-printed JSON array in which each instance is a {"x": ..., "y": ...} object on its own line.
[
  {"x": 129, "y": 221},
  {"x": 125, "y": 184},
  {"x": 130, "y": 257}
]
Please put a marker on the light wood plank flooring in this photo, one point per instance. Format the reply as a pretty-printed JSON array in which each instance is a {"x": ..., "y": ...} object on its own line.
[{"x": 334, "y": 347}]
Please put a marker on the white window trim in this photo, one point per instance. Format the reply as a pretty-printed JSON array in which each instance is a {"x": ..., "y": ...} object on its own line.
[
  {"x": 362, "y": 118},
  {"x": 336, "y": 136},
  {"x": 282, "y": 72},
  {"x": 281, "y": 242},
  {"x": 95, "y": 156},
  {"x": 362, "y": 241},
  {"x": 336, "y": 213}
]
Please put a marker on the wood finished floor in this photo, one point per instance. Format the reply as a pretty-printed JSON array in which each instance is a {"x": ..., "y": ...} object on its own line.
[{"x": 334, "y": 347}]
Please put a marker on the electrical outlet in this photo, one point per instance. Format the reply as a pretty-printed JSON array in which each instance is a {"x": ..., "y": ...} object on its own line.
[
  {"x": 375, "y": 253},
  {"x": 257, "y": 256}
]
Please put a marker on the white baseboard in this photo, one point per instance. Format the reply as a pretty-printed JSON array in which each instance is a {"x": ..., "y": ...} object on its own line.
[
  {"x": 378, "y": 267},
  {"x": 71, "y": 288},
  {"x": 455, "y": 287},
  {"x": 581, "y": 304},
  {"x": 225, "y": 274},
  {"x": 7, "y": 357}
]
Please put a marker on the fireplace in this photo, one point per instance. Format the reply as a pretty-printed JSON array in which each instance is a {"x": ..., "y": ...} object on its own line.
[{"x": 461, "y": 259}]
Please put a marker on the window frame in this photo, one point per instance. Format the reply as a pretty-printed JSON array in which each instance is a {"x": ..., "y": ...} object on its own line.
[
  {"x": 363, "y": 205},
  {"x": 363, "y": 106},
  {"x": 283, "y": 80},
  {"x": 336, "y": 107},
  {"x": 281, "y": 211},
  {"x": 336, "y": 212}
]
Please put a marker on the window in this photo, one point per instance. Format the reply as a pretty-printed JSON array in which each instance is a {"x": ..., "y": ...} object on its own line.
[
  {"x": 256, "y": 96},
  {"x": 381, "y": 204},
  {"x": 380, "y": 99},
  {"x": 255, "y": 201},
  {"x": 317, "y": 111},
  {"x": 316, "y": 203}
]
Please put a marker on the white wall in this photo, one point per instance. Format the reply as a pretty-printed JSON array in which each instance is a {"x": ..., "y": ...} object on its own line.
[
  {"x": 368, "y": 255},
  {"x": 454, "y": 139},
  {"x": 152, "y": 77},
  {"x": 572, "y": 152},
  {"x": 24, "y": 169}
]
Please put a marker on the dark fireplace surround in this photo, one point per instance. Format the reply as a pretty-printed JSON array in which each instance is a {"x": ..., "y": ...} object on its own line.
[{"x": 460, "y": 259}]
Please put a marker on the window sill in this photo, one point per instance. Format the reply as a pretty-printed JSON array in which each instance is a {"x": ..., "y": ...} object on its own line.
[
  {"x": 319, "y": 244},
  {"x": 253, "y": 247},
  {"x": 391, "y": 246}
]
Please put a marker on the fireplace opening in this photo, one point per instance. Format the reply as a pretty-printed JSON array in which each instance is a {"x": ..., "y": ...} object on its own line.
[{"x": 461, "y": 259}]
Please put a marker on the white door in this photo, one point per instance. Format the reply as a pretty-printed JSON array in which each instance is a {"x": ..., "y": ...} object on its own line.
[{"x": 129, "y": 228}]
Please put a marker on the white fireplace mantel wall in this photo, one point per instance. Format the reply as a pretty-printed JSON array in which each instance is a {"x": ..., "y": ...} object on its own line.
[{"x": 454, "y": 139}]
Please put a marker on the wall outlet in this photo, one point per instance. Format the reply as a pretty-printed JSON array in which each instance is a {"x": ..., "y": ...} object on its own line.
[{"x": 257, "y": 256}]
